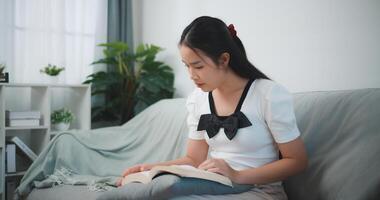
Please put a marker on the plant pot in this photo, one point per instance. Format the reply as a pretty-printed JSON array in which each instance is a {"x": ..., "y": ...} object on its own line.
[
  {"x": 61, "y": 126},
  {"x": 53, "y": 79}
]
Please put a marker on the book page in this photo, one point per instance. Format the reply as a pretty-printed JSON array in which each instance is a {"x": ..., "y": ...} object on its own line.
[
  {"x": 190, "y": 171},
  {"x": 180, "y": 170}
]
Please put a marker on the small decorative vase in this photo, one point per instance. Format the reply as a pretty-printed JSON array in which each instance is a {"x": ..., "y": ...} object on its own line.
[
  {"x": 61, "y": 126},
  {"x": 53, "y": 80}
]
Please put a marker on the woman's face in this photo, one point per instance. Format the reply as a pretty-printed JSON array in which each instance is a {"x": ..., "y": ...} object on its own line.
[{"x": 202, "y": 70}]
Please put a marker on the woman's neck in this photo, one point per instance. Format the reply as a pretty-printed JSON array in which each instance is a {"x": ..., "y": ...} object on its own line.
[{"x": 233, "y": 83}]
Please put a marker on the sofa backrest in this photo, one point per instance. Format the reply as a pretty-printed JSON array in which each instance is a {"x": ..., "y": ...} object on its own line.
[{"x": 341, "y": 131}]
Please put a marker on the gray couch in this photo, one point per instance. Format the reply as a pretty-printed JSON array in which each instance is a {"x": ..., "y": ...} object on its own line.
[{"x": 341, "y": 130}]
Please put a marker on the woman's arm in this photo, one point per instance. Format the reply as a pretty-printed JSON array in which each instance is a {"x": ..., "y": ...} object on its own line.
[
  {"x": 196, "y": 153},
  {"x": 294, "y": 160}
]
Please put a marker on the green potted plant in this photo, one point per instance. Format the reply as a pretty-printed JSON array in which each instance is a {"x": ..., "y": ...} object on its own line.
[
  {"x": 132, "y": 82},
  {"x": 52, "y": 70},
  {"x": 4, "y": 76},
  {"x": 61, "y": 119}
]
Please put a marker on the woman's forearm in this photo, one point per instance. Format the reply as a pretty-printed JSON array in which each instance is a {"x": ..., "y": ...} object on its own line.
[{"x": 269, "y": 173}]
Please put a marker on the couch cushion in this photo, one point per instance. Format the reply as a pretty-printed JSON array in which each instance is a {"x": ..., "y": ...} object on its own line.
[
  {"x": 341, "y": 130},
  {"x": 63, "y": 192}
]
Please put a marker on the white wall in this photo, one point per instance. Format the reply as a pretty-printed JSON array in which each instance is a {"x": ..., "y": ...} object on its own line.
[{"x": 304, "y": 45}]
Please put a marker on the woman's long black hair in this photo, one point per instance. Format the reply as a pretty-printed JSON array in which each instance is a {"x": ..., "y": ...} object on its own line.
[{"x": 212, "y": 37}]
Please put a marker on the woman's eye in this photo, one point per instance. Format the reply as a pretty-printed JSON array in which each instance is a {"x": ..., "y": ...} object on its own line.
[{"x": 197, "y": 67}]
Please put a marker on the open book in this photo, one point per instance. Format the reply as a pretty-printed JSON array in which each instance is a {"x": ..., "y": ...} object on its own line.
[{"x": 180, "y": 170}]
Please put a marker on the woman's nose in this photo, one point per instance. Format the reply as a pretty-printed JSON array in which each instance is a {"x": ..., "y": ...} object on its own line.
[{"x": 193, "y": 75}]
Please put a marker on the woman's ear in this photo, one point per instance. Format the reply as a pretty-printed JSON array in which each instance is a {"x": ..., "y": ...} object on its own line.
[{"x": 224, "y": 59}]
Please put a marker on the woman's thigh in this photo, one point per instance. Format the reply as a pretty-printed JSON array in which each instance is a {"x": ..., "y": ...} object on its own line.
[{"x": 261, "y": 192}]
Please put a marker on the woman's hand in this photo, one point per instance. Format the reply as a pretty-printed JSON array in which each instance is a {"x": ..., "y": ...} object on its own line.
[
  {"x": 137, "y": 168},
  {"x": 119, "y": 181},
  {"x": 133, "y": 169},
  {"x": 219, "y": 166}
]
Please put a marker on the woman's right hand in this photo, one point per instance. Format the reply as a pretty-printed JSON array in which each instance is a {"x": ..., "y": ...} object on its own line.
[
  {"x": 133, "y": 169},
  {"x": 137, "y": 168}
]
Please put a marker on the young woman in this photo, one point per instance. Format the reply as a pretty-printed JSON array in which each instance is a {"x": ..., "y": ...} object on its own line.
[{"x": 239, "y": 116}]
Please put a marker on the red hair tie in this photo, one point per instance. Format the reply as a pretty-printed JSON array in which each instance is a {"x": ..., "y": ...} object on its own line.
[{"x": 232, "y": 30}]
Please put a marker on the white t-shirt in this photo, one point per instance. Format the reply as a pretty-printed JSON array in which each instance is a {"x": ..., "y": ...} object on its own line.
[{"x": 268, "y": 106}]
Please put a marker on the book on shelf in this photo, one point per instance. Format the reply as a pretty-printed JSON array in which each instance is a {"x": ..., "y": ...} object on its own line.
[
  {"x": 16, "y": 161},
  {"x": 23, "y": 147},
  {"x": 11, "y": 158},
  {"x": 33, "y": 114},
  {"x": 22, "y": 122},
  {"x": 180, "y": 170}
]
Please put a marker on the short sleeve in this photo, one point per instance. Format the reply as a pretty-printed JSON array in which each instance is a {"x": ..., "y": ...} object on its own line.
[
  {"x": 193, "y": 116},
  {"x": 279, "y": 114}
]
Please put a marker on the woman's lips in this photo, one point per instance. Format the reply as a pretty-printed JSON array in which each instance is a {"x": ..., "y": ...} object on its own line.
[{"x": 199, "y": 84}]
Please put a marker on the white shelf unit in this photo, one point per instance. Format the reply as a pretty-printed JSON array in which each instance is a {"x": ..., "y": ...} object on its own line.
[{"x": 44, "y": 98}]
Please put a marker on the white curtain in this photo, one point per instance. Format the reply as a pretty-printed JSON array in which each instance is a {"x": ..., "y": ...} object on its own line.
[{"x": 35, "y": 33}]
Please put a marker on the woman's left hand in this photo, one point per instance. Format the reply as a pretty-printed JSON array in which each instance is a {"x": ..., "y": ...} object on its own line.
[{"x": 219, "y": 166}]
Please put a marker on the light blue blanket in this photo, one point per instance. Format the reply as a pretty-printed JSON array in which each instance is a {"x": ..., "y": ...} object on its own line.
[{"x": 98, "y": 157}]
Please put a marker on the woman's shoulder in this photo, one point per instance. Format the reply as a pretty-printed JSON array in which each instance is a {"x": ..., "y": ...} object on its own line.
[
  {"x": 264, "y": 84},
  {"x": 266, "y": 88}
]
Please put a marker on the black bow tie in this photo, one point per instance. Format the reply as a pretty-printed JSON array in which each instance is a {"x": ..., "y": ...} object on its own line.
[{"x": 211, "y": 123}]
